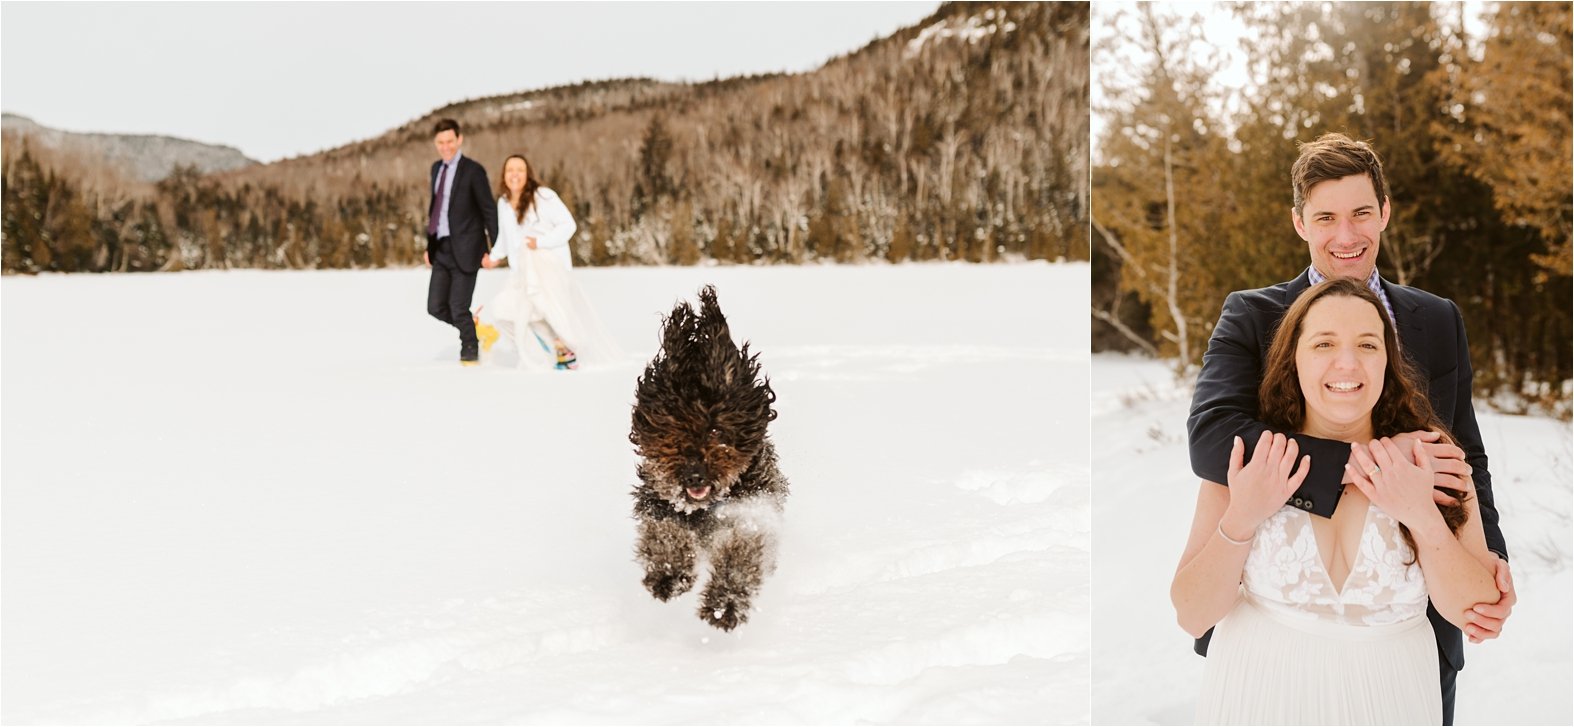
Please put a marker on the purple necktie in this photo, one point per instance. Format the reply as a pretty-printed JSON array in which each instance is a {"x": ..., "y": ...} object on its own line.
[{"x": 437, "y": 202}]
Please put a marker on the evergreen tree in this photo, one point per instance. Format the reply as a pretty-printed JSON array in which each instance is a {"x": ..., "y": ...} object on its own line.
[{"x": 1510, "y": 128}]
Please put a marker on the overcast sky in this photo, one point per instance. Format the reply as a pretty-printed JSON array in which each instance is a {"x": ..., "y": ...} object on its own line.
[{"x": 281, "y": 79}]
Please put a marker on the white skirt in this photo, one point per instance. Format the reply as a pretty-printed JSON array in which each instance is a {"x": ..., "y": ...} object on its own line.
[
  {"x": 1270, "y": 668},
  {"x": 539, "y": 288}
]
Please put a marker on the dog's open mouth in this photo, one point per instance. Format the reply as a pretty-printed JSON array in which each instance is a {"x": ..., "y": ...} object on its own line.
[{"x": 697, "y": 493}]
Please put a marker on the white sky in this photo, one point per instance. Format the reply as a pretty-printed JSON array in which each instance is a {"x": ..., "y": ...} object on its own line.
[{"x": 278, "y": 79}]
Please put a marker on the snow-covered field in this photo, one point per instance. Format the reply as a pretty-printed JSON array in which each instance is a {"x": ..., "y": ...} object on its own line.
[
  {"x": 1144, "y": 671},
  {"x": 269, "y": 497}
]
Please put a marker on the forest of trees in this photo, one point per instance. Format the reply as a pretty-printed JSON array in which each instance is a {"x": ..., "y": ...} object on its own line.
[
  {"x": 964, "y": 137},
  {"x": 1192, "y": 193}
]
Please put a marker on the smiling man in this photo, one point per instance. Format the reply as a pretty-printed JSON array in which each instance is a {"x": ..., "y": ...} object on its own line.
[
  {"x": 461, "y": 227},
  {"x": 1341, "y": 208}
]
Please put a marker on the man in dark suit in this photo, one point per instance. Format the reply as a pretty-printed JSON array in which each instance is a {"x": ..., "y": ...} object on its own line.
[
  {"x": 460, "y": 229},
  {"x": 1341, "y": 209}
]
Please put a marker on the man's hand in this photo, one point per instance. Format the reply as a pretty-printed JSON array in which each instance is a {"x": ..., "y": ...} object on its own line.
[
  {"x": 486, "y": 261},
  {"x": 1486, "y": 619},
  {"x": 426, "y": 257},
  {"x": 1449, "y": 468}
]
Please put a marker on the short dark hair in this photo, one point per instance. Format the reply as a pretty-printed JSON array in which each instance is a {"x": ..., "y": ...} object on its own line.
[
  {"x": 1335, "y": 156},
  {"x": 447, "y": 125}
]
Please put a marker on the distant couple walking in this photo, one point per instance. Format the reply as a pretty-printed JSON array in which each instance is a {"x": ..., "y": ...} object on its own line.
[{"x": 540, "y": 308}]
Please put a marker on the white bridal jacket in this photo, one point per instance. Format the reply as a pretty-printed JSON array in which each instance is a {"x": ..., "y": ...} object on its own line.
[{"x": 548, "y": 220}]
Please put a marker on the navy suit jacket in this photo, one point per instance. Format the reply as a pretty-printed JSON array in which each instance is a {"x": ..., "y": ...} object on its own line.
[
  {"x": 472, "y": 213},
  {"x": 1224, "y": 404}
]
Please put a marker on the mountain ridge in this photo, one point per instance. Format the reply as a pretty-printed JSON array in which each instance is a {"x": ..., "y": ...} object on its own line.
[
  {"x": 961, "y": 137},
  {"x": 144, "y": 157}
]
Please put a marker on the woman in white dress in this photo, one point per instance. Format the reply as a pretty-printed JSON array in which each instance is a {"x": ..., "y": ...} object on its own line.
[
  {"x": 540, "y": 308},
  {"x": 1323, "y": 621}
]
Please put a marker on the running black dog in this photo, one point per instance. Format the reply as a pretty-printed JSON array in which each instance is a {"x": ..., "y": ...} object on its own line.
[{"x": 709, "y": 486}]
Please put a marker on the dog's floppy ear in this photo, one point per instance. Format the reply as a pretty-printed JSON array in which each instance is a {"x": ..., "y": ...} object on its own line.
[
  {"x": 677, "y": 327},
  {"x": 715, "y": 324},
  {"x": 722, "y": 358}
]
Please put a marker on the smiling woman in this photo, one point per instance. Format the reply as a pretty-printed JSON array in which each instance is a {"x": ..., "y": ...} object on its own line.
[
  {"x": 1348, "y": 594},
  {"x": 1339, "y": 361},
  {"x": 1423, "y": 152}
]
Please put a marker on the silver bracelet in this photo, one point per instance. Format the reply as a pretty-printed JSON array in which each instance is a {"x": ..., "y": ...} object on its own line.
[{"x": 1230, "y": 540}]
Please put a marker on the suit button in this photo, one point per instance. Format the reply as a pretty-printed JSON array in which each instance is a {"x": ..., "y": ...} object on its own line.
[
  {"x": 1309, "y": 503},
  {"x": 1299, "y": 502}
]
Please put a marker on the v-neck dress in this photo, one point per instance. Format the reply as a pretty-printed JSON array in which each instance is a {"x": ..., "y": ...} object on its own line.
[{"x": 1300, "y": 649}]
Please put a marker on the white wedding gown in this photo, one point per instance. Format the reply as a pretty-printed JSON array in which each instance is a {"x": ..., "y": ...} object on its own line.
[
  {"x": 1298, "y": 650},
  {"x": 538, "y": 288}
]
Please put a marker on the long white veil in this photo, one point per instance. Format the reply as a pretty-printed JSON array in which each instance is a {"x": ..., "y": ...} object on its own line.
[{"x": 540, "y": 287}]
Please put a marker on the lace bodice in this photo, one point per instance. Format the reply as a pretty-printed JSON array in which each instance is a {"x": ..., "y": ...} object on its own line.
[{"x": 1285, "y": 573}]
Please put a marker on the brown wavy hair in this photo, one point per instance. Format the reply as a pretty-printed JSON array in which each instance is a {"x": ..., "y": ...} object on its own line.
[
  {"x": 1402, "y": 406},
  {"x": 527, "y": 197}
]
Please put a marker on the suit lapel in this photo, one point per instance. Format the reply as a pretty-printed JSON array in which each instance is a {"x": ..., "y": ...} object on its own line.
[
  {"x": 1406, "y": 321},
  {"x": 1296, "y": 287},
  {"x": 1288, "y": 292}
]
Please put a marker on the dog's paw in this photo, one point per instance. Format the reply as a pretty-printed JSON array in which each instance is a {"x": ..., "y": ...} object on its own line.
[
  {"x": 724, "y": 613},
  {"x": 665, "y": 586}
]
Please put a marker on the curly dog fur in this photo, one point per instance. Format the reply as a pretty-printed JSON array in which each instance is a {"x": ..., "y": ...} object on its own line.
[{"x": 709, "y": 489}]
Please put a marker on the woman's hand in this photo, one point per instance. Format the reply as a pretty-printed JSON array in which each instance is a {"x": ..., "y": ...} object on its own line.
[
  {"x": 1259, "y": 489},
  {"x": 1399, "y": 483},
  {"x": 530, "y": 242}
]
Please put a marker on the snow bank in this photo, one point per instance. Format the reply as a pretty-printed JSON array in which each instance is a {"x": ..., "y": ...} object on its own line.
[{"x": 273, "y": 497}]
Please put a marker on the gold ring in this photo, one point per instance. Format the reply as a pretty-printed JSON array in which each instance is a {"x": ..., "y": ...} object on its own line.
[{"x": 1375, "y": 469}]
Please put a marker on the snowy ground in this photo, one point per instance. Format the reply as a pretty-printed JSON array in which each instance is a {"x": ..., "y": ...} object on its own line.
[
  {"x": 1144, "y": 671},
  {"x": 265, "y": 497}
]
